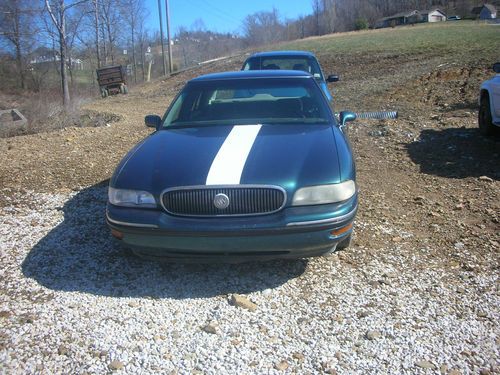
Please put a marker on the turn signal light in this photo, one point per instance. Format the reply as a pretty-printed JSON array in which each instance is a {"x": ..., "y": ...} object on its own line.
[
  {"x": 116, "y": 234},
  {"x": 338, "y": 232}
]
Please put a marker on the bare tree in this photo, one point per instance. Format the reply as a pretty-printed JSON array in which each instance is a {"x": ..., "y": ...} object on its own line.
[
  {"x": 317, "y": 11},
  {"x": 143, "y": 42},
  {"x": 110, "y": 21},
  {"x": 329, "y": 17},
  {"x": 17, "y": 29},
  {"x": 133, "y": 12},
  {"x": 263, "y": 28},
  {"x": 73, "y": 28},
  {"x": 96, "y": 17},
  {"x": 104, "y": 44},
  {"x": 57, "y": 10}
]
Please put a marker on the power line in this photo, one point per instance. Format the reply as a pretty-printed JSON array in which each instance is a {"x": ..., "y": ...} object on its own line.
[
  {"x": 220, "y": 11},
  {"x": 208, "y": 8}
]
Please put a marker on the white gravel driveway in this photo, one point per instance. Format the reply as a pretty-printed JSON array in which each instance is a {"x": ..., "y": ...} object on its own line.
[{"x": 72, "y": 302}]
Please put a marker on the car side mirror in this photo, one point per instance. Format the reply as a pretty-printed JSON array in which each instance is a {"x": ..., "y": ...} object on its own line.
[
  {"x": 496, "y": 67},
  {"x": 346, "y": 116},
  {"x": 153, "y": 121},
  {"x": 333, "y": 78}
]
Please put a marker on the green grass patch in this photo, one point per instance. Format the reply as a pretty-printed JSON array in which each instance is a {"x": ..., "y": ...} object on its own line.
[{"x": 437, "y": 39}]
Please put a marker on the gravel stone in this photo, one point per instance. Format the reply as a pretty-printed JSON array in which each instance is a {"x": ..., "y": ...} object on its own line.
[
  {"x": 363, "y": 314},
  {"x": 116, "y": 365},
  {"x": 486, "y": 178},
  {"x": 425, "y": 364},
  {"x": 62, "y": 350},
  {"x": 298, "y": 356},
  {"x": 210, "y": 328},
  {"x": 243, "y": 302},
  {"x": 282, "y": 365},
  {"x": 373, "y": 335}
]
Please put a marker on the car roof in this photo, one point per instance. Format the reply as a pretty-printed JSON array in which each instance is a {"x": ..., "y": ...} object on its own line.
[
  {"x": 283, "y": 53},
  {"x": 249, "y": 74}
]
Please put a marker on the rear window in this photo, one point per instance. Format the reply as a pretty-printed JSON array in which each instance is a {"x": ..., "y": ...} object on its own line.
[
  {"x": 306, "y": 64},
  {"x": 248, "y": 101}
]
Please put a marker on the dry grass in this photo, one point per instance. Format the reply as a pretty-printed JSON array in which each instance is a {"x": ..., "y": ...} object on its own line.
[
  {"x": 45, "y": 113},
  {"x": 456, "y": 40}
]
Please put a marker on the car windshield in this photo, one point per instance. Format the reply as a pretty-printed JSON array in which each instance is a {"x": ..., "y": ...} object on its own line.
[
  {"x": 248, "y": 101},
  {"x": 306, "y": 64}
]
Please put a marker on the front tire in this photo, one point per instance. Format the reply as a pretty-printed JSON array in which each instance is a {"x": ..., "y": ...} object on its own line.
[{"x": 485, "y": 121}]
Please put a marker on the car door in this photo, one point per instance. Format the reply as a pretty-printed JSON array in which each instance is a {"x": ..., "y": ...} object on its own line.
[{"x": 495, "y": 100}]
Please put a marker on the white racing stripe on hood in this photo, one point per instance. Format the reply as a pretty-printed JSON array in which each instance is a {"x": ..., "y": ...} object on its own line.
[{"x": 229, "y": 162}]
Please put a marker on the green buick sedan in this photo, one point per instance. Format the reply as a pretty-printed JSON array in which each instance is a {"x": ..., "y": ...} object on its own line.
[{"x": 242, "y": 166}]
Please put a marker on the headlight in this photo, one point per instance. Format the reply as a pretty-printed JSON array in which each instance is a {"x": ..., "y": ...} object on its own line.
[
  {"x": 323, "y": 194},
  {"x": 131, "y": 198}
]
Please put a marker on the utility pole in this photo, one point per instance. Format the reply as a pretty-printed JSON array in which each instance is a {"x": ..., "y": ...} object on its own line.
[
  {"x": 161, "y": 37},
  {"x": 168, "y": 39}
]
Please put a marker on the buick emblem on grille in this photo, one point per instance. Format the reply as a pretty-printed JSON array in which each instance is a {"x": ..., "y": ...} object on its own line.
[{"x": 221, "y": 201}]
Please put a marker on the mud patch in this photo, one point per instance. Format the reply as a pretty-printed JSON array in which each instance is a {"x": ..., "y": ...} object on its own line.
[
  {"x": 447, "y": 89},
  {"x": 96, "y": 119}
]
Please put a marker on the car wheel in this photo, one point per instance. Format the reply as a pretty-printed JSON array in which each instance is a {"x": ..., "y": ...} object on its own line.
[
  {"x": 485, "y": 121},
  {"x": 345, "y": 243}
]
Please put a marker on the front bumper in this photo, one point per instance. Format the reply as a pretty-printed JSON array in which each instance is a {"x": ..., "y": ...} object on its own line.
[{"x": 294, "y": 232}]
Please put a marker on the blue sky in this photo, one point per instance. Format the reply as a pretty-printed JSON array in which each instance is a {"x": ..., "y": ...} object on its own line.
[{"x": 221, "y": 15}]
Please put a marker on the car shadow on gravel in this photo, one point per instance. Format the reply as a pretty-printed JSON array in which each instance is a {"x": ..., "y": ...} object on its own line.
[
  {"x": 79, "y": 255},
  {"x": 456, "y": 153}
]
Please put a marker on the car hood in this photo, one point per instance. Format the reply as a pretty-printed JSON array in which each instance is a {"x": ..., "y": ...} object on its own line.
[{"x": 290, "y": 156}]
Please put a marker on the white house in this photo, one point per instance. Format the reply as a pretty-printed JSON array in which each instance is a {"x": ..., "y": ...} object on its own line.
[
  {"x": 432, "y": 15},
  {"x": 411, "y": 17}
]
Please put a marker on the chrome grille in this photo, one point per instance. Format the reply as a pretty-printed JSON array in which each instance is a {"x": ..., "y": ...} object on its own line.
[{"x": 243, "y": 200}]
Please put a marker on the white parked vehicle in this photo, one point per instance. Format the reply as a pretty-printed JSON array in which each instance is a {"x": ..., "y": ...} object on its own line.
[{"x": 489, "y": 104}]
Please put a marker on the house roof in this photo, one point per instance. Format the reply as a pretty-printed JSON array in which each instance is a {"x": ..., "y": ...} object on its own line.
[
  {"x": 432, "y": 10},
  {"x": 400, "y": 15},
  {"x": 490, "y": 7}
]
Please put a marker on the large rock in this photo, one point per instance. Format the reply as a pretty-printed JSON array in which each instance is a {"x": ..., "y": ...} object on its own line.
[{"x": 243, "y": 302}]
